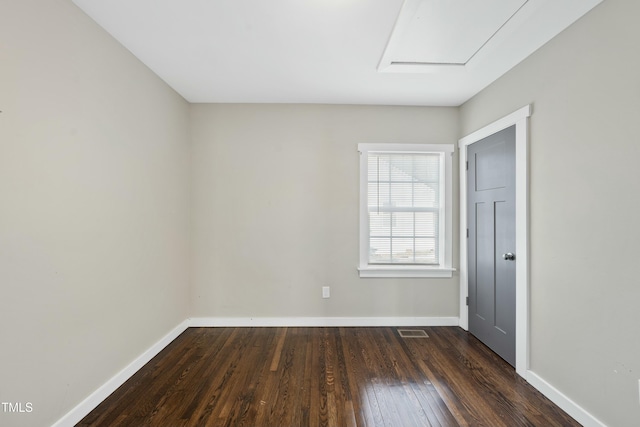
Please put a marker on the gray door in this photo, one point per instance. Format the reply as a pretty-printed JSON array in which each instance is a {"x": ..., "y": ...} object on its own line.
[{"x": 491, "y": 245}]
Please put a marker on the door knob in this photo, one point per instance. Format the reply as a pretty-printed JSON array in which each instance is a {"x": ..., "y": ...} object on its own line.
[{"x": 508, "y": 256}]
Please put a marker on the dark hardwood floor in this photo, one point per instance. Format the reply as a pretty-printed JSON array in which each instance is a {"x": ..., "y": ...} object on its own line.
[{"x": 326, "y": 377}]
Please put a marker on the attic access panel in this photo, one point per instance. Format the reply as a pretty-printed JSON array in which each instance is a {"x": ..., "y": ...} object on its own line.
[{"x": 445, "y": 32}]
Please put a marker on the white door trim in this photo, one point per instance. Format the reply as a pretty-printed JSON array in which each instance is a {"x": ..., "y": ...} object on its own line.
[{"x": 520, "y": 120}]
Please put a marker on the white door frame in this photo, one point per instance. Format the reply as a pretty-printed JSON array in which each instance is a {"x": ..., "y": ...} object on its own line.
[{"x": 520, "y": 120}]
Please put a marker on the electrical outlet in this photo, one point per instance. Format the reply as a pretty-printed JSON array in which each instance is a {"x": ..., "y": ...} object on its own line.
[{"x": 326, "y": 292}]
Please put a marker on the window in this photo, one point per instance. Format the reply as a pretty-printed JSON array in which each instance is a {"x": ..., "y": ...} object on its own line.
[{"x": 405, "y": 210}]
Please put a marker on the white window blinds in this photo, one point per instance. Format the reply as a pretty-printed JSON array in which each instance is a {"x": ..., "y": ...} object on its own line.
[{"x": 404, "y": 207}]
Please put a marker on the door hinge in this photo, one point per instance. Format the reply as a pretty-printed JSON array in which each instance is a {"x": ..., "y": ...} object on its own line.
[
  {"x": 467, "y": 300},
  {"x": 467, "y": 165},
  {"x": 467, "y": 233}
]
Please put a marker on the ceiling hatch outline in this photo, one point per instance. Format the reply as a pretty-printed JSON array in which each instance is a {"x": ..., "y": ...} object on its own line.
[{"x": 411, "y": 21}]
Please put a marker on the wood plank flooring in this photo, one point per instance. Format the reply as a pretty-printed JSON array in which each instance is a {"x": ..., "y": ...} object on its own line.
[{"x": 326, "y": 377}]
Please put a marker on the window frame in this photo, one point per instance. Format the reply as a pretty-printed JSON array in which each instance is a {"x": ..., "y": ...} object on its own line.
[{"x": 444, "y": 267}]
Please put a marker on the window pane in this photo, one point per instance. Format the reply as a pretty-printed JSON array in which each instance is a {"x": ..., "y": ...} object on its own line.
[
  {"x": 426, "y": 251},
  {"x": 378, "y": 195},
  {"x": 372, "y": 194},
  {"x": 383, "y": 167},
  {"x": 403, "y": 224},
  {"x": 426, "y": 167},
  {"x": 372, "y": 166},
  {"x": 426, "y": 224},
  {"x": 402, "y": 251},
  {"x": 426, "y": 195},
  {"x": 380, "y": 224},
  {"x": 379, "y": 250},
  {"x": 378, "y": 165},
  {"x": 401, "y": 167},
  {"x": 401, "y": 194}
]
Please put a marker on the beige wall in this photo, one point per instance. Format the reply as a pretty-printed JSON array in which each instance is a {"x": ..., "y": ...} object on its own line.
[
  {"x": 275, "y": 213},
  {"x": 585, "y": 90},
  {"x": 93, "y": 208}
]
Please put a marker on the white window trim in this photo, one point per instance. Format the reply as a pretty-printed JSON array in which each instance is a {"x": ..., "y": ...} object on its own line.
[{"x": 445, "y": 269}]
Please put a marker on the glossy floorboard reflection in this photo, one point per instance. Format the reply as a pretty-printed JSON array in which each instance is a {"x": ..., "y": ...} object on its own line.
[{"x": 326, "y": 377}]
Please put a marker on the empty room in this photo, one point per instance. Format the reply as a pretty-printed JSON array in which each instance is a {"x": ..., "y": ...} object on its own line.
[{"x": 319, "y": 213}]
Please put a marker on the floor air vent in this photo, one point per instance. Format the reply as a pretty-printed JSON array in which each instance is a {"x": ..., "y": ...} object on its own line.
[{"x": 412, "y": 333}]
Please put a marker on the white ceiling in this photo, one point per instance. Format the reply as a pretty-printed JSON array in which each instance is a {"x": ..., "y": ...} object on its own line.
[{"x": 393, "y": 52}]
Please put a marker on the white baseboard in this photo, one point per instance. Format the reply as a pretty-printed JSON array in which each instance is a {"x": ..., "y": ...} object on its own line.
[
  {"x": 321, "y": 321},
  {"x": 94, "y": 399},
  {"x": 566, "y": 404}
]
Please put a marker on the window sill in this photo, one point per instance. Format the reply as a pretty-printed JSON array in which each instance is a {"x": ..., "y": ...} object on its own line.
[{"x": 404, "y": 271}]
